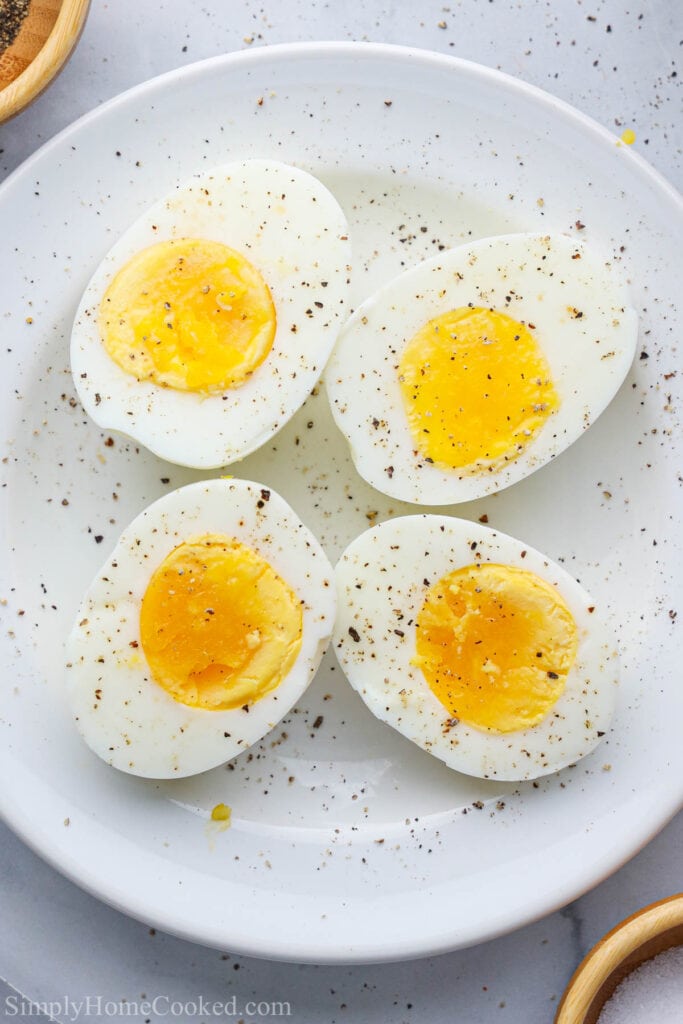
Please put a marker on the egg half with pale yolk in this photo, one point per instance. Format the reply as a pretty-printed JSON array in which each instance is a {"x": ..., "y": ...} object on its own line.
[
  {"x": 201, "y": 631},
  {"x": 474, "y": 646},
  {"x": 207, "y": 324},
  {"x": 475, "y": 368}
]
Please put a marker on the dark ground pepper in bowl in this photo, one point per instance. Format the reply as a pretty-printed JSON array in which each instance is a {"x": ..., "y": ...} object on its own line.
[
  {"x": 12, "y": 14},
  {"x": 37, "y": 37}
]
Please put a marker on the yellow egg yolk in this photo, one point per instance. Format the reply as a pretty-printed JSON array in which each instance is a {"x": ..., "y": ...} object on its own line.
[
  {"x": 221, "y": 812},
  {"x": 495, "y": 644},
  {"x": 476, "y": 389},
  {"x": 188, "y": 314},
  {"x": 218, "y": 626}
]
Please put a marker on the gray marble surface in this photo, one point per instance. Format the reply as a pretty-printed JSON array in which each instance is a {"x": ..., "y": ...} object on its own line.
[{"x": 614, "y": 59}]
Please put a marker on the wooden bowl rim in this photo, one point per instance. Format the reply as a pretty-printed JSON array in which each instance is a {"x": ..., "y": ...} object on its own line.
[
  {"x": 48, "y": 61},
  {"x": 607, "y": 955}
]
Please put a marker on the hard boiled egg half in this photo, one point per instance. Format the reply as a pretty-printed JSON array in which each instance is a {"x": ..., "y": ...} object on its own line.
[
  {"x": 202, "y": 630},
  {"x": 473, "y": 369},
  {"x": 474, "y": 646},
  {"x": 207, "y": 324}
]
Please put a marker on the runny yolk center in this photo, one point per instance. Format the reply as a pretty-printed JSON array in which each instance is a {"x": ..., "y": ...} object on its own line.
[
  {"x": 189, "y": 314},
  {"x": 218, "y": 626},
  {"x": 495, "y": 644},
  {"x": 476, "y": 389}
]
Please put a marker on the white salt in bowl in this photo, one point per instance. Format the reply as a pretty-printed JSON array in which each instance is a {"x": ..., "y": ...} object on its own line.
[{"x": 642, "y": 936}]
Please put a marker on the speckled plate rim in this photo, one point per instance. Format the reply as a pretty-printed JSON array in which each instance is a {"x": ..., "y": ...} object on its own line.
[
  {"x": 285, "y": 52},
  {"x": 548, "y": 895}
]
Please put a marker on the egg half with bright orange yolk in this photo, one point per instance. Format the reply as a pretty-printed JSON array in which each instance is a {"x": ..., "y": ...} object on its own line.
[
  {"x": 474, "y": 646},
  {"x": 200, "y": 632},
  {"x": 475, "y": 368},
  {"x": 207, "y": 324}
]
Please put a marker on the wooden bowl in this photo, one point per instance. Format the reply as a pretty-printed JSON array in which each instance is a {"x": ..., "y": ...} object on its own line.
[
  {"x": 640, "y": 937},
  {"x": 42, "y": 46}
]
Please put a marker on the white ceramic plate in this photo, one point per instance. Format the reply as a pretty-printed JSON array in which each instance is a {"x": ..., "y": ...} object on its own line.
[{"x": 347, "y": 843}]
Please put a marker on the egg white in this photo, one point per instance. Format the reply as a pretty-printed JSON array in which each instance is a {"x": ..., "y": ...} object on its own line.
[
  {"x": 382, "y": 580},
  {"x": 291, "y": 228},
  {"x": 533, "y": 278},
  {"x": 130, "y": 721}
]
